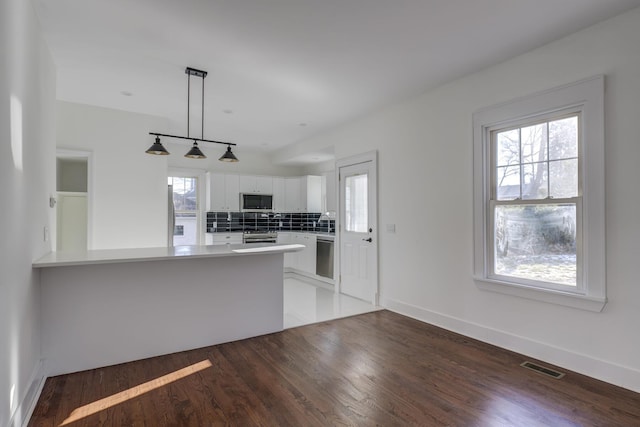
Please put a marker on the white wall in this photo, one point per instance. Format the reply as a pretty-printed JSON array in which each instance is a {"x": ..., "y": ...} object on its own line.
[
  {"x": 27, "y": 177},
  {"x": 320, "y": 168},
  {"x": 128, "y": 188},
  {"x": 425, "y": 188},
  {"x": 251, "y": 162},
  {"x": 128, "y": 194}
]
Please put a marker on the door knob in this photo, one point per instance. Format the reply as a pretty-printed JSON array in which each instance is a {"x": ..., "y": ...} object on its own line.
[{"x": 368, "y": 240}]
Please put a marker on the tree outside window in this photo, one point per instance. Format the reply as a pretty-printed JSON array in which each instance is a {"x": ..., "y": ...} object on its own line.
[
  {"x": 185, "y": 205},
  {"x": 535, "y": 198}
]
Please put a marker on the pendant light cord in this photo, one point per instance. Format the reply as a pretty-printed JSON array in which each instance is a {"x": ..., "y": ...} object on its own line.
[
  {"x": 188, "y": 102},
  {"x": 227, "y": 157},
  {"x": 202, "y": 131}
]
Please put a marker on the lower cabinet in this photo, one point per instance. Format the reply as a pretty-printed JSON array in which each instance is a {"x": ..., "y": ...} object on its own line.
[
  {"x": 223, "y": 238},
  {"x": 290, "y": 258},
  {"x": 307, "y": 257},
  {"x": 304, "y": 260}
]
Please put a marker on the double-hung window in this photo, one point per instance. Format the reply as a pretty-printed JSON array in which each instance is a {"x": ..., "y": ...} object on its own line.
[{"x": 539, "y": 196}]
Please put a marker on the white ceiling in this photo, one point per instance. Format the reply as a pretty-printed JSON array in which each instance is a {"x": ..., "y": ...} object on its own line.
[{"x": 281, "y": 71}]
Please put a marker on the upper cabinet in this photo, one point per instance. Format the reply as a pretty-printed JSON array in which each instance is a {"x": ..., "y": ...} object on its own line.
[
  {"x": 311, "y": 187},
  {"x": 303, "y": 194},
  {"x": 290, "y": 194},
  {"x": 224, "y": 192},
  {"x": 278, "y": 194},
  {"x": 252, "y": 184},
  {"x": 329, "y": 189}
]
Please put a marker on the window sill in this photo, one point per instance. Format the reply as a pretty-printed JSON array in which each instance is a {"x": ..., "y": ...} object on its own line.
[{"x": 582, "y": 302}]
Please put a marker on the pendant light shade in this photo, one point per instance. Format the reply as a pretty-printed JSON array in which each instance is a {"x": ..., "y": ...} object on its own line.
[
  {"x": 228, "y": 156},
  {"x": 157, "y": 148},
  {"x": 195, "y": 152}
]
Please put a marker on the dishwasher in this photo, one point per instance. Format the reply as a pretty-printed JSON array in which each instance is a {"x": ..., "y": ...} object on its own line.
[{"x": 324, "y": 257}]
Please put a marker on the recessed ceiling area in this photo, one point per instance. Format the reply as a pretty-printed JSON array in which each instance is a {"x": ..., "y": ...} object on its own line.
[{"x": 281, "y": 71}]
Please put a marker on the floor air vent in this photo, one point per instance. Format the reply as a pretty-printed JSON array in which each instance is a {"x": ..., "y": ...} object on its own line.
[{"x": 541, "y": 369}]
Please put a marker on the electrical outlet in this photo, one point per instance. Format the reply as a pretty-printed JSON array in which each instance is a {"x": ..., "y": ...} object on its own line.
[
  {"x": 391, "y": 228},
  {"x": 46, "y": 234}
]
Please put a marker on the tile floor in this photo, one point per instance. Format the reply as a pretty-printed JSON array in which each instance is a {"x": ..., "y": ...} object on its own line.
[{"x": 305, "y": 303}]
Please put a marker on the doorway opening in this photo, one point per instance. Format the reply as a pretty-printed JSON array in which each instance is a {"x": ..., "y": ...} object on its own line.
[
  {"x": 73, "y": 197},
  {"x": 185, "y": 209}
]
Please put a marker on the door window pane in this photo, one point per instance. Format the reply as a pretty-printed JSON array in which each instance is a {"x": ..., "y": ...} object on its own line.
[{"x": 356, "y": 203}]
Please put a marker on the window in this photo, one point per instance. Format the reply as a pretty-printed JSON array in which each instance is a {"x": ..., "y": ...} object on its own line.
[
  {"x": 539, "y": 196},
  {"x": 356, "y": 206},
  {"x": 186, "y": 210}
]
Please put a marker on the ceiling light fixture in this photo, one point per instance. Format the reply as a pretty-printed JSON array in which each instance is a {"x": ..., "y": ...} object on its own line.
[{"x": 195, "y": 152}]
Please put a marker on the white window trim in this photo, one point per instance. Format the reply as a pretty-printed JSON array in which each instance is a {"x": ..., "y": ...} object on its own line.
[{"x": 588, "y": 96}]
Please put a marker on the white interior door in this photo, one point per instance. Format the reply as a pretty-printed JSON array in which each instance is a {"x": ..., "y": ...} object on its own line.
[
  {"x": 358, "y": 227},
  {"x": 72, "y": 222}
]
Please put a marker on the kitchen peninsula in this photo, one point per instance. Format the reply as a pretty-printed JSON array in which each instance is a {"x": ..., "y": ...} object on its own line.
[{"x": 105, "y": 307}]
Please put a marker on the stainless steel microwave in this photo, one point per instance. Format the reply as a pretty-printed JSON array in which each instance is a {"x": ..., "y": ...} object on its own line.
[{"x": 256, "y": 202}]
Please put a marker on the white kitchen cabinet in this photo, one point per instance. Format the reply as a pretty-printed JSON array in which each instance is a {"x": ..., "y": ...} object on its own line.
[
  {"x": 264, "y": 184},
  {"x": 329, "y": 189},
  {"x": 303, "y": 194},
  {"x": 292, "y": 194},
  {"x": 290, "y": 258},
  {"x": 252, "y": 184},
  {"x": 224, "y": 192},
  {"x": 223, "y": 238},
  {"x": 278, "y": 194},
  {"x": 306, "y": 259},
  {"x": 311, "y": 193}
]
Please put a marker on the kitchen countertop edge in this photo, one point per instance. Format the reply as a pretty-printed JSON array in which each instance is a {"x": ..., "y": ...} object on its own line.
[{"x": 114, "y": 256}]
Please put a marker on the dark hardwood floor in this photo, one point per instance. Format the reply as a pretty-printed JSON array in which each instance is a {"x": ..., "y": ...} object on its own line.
[{"x": 378, "y": 368}]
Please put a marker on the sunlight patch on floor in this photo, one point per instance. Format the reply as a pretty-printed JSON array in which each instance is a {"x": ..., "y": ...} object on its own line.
[{"x": 115, "y": 399}]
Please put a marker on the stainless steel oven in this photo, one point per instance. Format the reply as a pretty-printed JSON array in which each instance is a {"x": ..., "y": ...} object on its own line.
[{"x": 259, "y": 237}]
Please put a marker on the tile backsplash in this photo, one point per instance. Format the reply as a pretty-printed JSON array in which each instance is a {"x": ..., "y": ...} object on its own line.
[{"x": 223, "y": 222}]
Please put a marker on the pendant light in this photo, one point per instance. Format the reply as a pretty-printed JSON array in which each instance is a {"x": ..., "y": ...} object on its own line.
[
  {"x": 194, "y": 152},
  {"x": 228, "y": 156},
  {"x": 157, "y": 148}
]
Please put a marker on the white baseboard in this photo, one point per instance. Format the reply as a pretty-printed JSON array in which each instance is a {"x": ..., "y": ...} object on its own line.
[
  {"x": 22, "y": 414},
  {"x": 622, "y": 376}
]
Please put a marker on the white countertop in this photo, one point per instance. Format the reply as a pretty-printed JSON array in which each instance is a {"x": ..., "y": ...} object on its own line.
[
  {"x": 112, "y": 256},
  {"x": 331, "y": 236}
]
